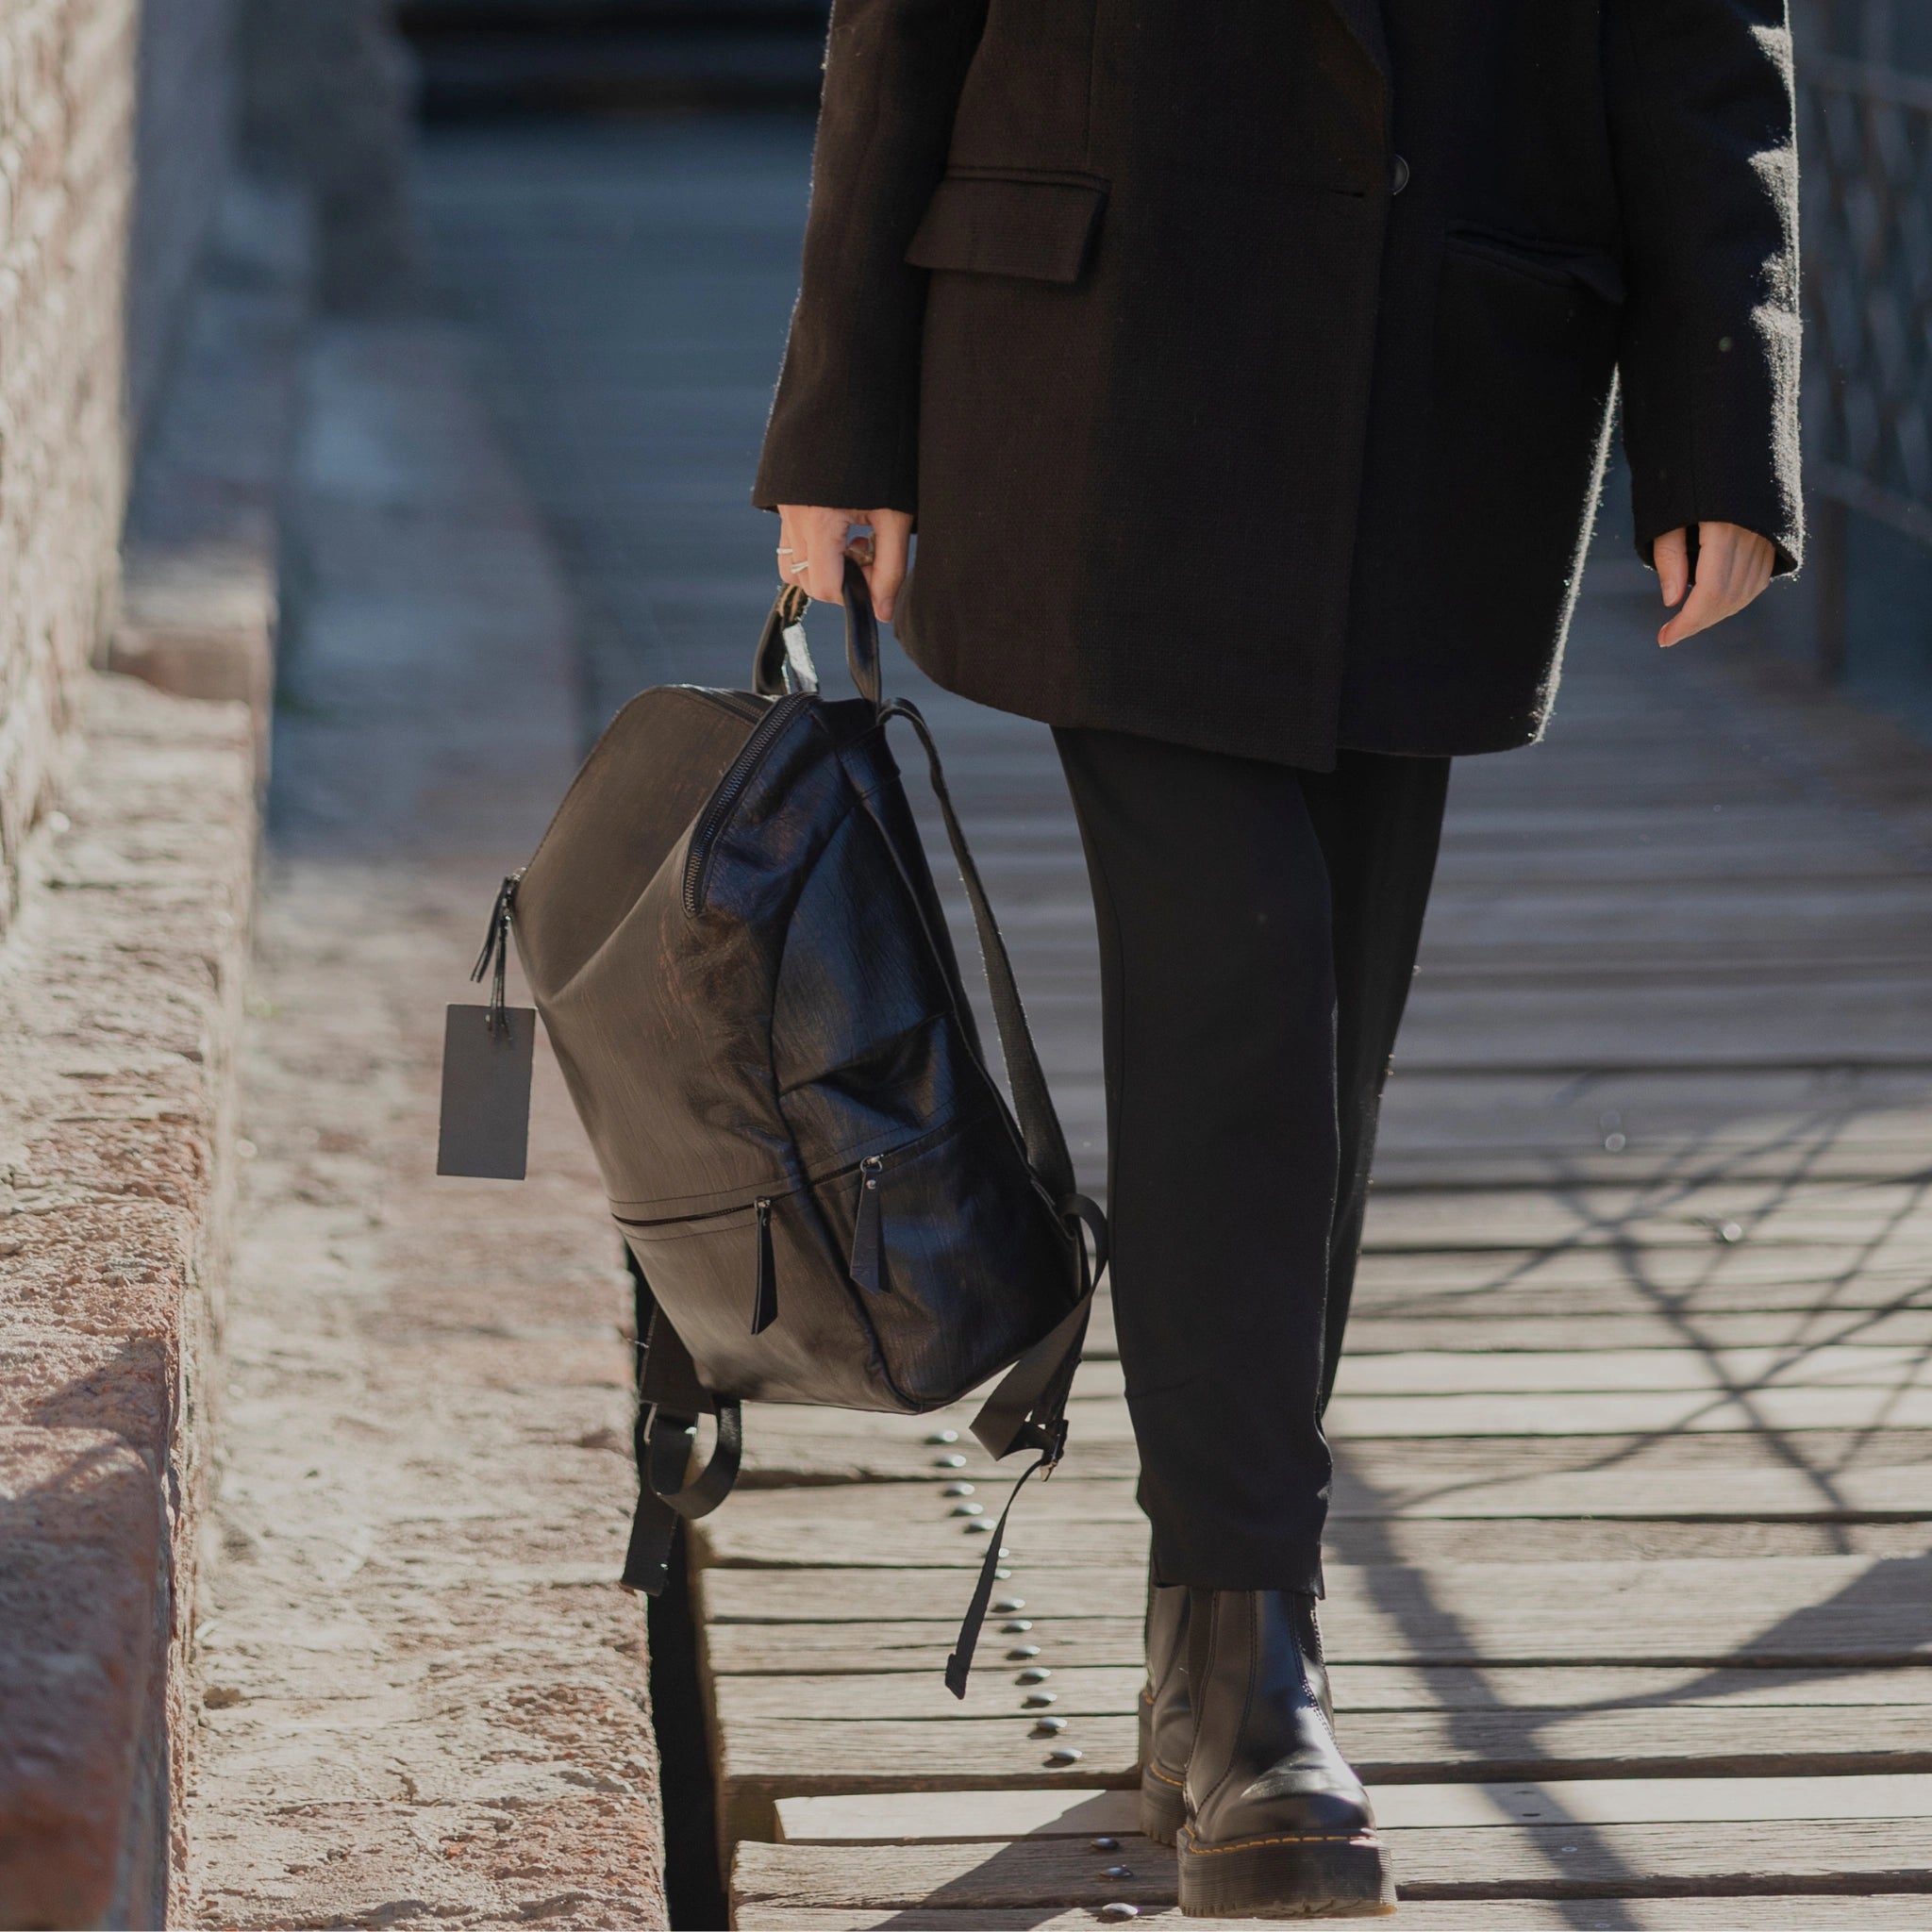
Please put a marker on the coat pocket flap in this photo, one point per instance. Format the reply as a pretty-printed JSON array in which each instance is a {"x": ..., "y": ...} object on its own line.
[
  {"x": 993, "y": 225},
  {"x": 1581, "y": 267}
]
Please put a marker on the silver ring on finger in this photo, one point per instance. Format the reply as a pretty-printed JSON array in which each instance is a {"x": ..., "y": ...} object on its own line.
[{"x": 803, "y": 563}]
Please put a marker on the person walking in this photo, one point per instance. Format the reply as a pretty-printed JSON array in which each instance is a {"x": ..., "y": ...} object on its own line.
[{"x": 1249, "y": 372}]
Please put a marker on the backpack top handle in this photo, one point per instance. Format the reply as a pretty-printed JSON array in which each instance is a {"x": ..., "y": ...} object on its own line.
[{"x": 783, "y": 663}]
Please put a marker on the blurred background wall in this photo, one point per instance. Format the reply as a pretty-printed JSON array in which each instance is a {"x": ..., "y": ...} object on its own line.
[
  {"x": 91, "y": 279},
  {"x": 1865, "y": 620}
]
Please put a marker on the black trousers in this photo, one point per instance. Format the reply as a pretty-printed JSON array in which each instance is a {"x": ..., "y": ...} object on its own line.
[{"x": 1259, "y": 927}]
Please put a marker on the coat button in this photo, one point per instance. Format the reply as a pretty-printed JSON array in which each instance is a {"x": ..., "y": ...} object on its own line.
[{"x": 1398, "y": 175}]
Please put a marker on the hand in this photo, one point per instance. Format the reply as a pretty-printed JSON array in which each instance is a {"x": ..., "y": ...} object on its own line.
[
  {"x": 1733, "y": 567},
  {"x": 815, "y": 544}
]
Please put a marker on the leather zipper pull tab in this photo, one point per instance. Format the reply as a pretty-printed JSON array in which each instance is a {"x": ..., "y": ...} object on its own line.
[
  {"x": 868, "y": 1267},
  {"x": 765, "y": 1308}
]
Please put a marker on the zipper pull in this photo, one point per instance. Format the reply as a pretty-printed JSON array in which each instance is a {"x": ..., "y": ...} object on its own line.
[
  {"x": 764, "y": 1306},
  {"x": 868, "y": 1266},
  {"x": 496, "y": 951}
]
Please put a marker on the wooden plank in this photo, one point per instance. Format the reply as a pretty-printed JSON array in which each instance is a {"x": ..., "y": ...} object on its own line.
[
  {"x": 1648, "y": 1159},
  {"x": 999, "y": 1817},
  {"x": 881, "y": 1518},
  {"x": 1649, "y": 1370},
  {"x": 781, "y": 1755},
  {"x": 1717, "y": 1277},
  {"x": 1502, "y": 1413},
  {"x": 1560, "y": 1328},
  {"x": 1757, "y": 1495},
  {"x": 1781, "y": 1412},
  {"x": 956, "y": 1817},
  {"x": 903, "y": 1643},
  {"x": 1372, "y": 1335},
  {"x": 1788, "y": 1610},
  {"x": 1811, "y": 1912},
  {"x": 1562, "y": 1861},
  {"x": 1089, "y": 1690},
  {"x": 840, "y": 1449},
  {"x": 1879, "y": 1019},
  {"x": 1894, "y": 1218},
  {"x": 1072, "y": 1522}
]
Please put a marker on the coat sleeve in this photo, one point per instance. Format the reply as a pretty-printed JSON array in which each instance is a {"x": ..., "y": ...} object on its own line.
[
  {"x": 1702, "y": 115},
  {"x": 844, "y": 424}
]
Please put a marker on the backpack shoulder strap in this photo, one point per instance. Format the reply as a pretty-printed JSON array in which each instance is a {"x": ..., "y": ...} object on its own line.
[{"x": 1039, "y": 1126}]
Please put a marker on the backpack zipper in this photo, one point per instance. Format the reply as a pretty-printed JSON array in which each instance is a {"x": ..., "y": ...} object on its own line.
[
  {"x": 731, "y": 788},
  {"x": 867, "y": 1265},
  {"x": 764, "y": 1301}
]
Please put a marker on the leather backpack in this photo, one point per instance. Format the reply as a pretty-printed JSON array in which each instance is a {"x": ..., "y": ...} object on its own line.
[{"x": 733, "y": 937}]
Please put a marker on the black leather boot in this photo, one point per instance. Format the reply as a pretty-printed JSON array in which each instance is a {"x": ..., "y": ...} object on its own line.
[
  {"x": 1278, "y": 1826},
  {"x": 1167, "y": 1719}
]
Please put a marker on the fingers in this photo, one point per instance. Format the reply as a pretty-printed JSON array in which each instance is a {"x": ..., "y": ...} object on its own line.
[
  {"x": 1672, "y": 555},
  {"x": 811, "y": 550},
  {"x": 892, "y": 542},
  {"x": 1734, "y": 565},
  {"x": 814, "y": 542},
  {"x": 823, "y": 576}
]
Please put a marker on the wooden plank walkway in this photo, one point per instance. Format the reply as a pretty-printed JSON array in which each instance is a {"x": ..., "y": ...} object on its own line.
[{"x": 1631, "y": 1595}]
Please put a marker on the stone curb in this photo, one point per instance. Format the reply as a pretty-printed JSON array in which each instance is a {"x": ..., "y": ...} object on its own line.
[
  {"x": 120, "y": 1003},
  {"x": 120, "y": 1007}
]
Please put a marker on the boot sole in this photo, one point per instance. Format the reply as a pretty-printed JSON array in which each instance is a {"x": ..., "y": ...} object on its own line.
[
  {"x": 1164, "y": 1805},
  {"x": 1286, "y": 1878}
]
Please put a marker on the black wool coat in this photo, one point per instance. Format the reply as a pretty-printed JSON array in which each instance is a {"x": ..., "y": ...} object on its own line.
[{"x": 1249, "y": 365}]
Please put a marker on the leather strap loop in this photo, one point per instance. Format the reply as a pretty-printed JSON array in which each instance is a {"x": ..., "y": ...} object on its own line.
[
  {"x": 861, "y": 635},
  {"x": 670, "y": 1439},
  {"x": 774, "y": 664},
  {"x": 779, "y": 665}
]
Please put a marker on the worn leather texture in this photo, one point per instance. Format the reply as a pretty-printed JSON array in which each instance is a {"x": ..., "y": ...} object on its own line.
[
  {"x": 1264, "y": 1762},
  {"x": 732, "y": 934}
]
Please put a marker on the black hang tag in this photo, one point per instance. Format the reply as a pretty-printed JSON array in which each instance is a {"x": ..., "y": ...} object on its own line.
[{"x": 486, "y": 1092}]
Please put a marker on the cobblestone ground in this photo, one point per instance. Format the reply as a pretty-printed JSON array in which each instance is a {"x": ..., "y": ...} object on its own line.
[{"x": 422, "y": 1697}]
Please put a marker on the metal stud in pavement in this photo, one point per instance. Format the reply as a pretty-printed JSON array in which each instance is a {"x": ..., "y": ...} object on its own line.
[
  {"x": 1064, "y": 1753},
  {"x": 1033, "y": 1674},
  {"x": 1011, "y": 1603},
  {"x": 943, "y": 1436},
  {"x": 949, "y": 1462},
  {"x": 968, "y": 1509},
  {"x": 1107, "y": 1844},
  {"x": 1021, "y": 1652},
  {"x": 1018, "y": 1624},
  {"x": 1048, "y": 1727},
  {"x": 1039, "y": 1700},
  {"x": 1118, "y": 1872},
  {"x": 1120, "y": 1911},
  {"x": 956, "y": 1489}
]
